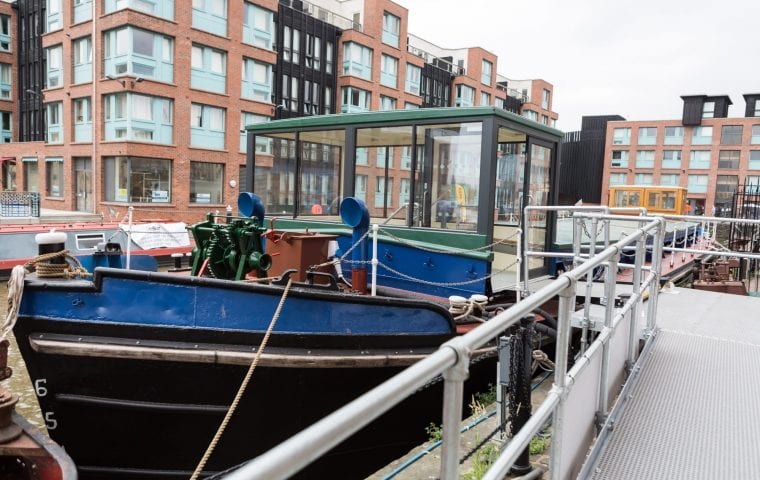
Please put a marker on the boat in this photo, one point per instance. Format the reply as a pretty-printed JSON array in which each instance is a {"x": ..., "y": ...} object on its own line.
[
  {"x": 149, "y": 240},
  {"x": 25, "y": 452},
  {"x": 140, "y": 368}
]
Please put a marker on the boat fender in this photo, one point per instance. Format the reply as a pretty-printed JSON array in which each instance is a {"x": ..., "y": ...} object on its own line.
[{"x": 51, "y": 242}]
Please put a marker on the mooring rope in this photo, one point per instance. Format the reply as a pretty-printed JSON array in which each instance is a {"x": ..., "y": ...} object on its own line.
[
  {"x": 15, "y": 293},
  {"x": 45, "y": 269},
  {"x": 243, "y": 386}
]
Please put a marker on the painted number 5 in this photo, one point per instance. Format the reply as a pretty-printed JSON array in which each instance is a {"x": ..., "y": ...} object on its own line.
[{"x": 50, "y": 422}]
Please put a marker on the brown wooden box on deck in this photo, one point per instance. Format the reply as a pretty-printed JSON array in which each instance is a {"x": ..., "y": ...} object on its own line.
[{"x": 299, "y": 250}]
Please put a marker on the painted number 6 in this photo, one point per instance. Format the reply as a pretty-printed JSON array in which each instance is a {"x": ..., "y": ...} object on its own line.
[{"x": 39, "y": 387}]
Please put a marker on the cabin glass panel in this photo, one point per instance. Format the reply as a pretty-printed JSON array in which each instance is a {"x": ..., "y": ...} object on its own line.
[
  {"x": 319, "y": 192},
  {"x": 384, "y": 183}
]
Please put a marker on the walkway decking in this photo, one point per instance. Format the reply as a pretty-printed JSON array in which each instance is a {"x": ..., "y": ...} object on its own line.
[{"x": 692, "y": 411}]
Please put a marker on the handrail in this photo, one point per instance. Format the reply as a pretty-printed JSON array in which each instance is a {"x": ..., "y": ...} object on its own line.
[{"x": 451, "y": 360}]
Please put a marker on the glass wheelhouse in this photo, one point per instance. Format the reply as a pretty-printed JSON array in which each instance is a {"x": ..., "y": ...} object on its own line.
[{"x": 460, "y": 175}]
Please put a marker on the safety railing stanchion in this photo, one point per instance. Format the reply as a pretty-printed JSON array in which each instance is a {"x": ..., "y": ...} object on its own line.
[
  {"x": 589, "y": 286},
  {"x": 525, "y": 234},
  {"x": 609, "y": 295},
  {"x": 633, "y": 339},
  {"x": 453, "y": 390},
  {"x": 566, "y": 308},
  {"x": 654, "y": 288},
  {"x": 375, "y": 227}
]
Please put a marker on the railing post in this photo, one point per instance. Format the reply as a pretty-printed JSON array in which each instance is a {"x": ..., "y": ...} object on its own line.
[
  {"x": 654, "y": 288},
  {"x": 566, "y": 307},
  {"x": 375, "y": 227},
  {"x": 520, "y": 407},
  {"x": 589, "y": 285},
  {"x": 526, "y": 247},
  {"x": 633, "y": 339},
  {"x": 453, "y": 390},
  {"x": 609, "y": 293}
]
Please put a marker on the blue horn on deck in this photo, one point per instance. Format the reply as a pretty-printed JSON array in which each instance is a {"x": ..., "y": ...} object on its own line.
[
  {"x": 250, "y": 205},
  {"x": 355, "y": 214}
]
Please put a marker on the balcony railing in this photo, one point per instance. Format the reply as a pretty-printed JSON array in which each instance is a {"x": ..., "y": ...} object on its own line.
[
  {"x": 19, "y": 204},
  {"x": 322, "y": 14}
]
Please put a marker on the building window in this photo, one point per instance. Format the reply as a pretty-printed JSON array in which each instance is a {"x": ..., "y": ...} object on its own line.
[
  {"x": 643, "y": 179},
  {"x": 6, "y": 132},
  {"x": 357, "y": 60},
  {"x": 31, "y": 174},
  {"x": 137, "y": 180},
  {"x": 645, "y": 159},
  {"x": 360, "y": 188},
  {"x": 263, "y": 144},
  {"x": 54, "y": 20},
  {"x": 82, "y": 60},
  {"x": 670, "y": 179},
  {"x": 290, "y": 90},
  {"x": 54, "y": 113},
  {"x": 383, "y": 192},
  {"x": 708, "y": 110},
  {"x": 545, "y": 120},
  {"x": 620, "y": 158},
  {"x": 387, "y": 103},
  {"x": 159, "y": 8},
  {"x": 209, "y": 69},
  {"x": 485, "y": 100},
  {"x": 141, "y": 118},
  {"x": 355, "y": 100},
  {"x": 731, "y": 135},
  {"x": 256, "y": 80},
  {"x": 700, "y": 159},
  {"x": 328, "y": 101},
  {"x": 210, "y": 16},
  {"x": 621, "y": 136},
  {"x": 410, "y": 106},
  {"x": 531, "y": 115},
  {"x": 362, "y": 156},
  {"x": 313, "y": 52},
  {"x": 465, "y": 96},
  {"x": 697, "y": 183},
  {"x": 413, "y": 74},
  {"x": 5, "y": 33},
  {"x": 728, "y": 159},
  {"x": 311, "y": 97},
  {"x": 258, "y": 26},
  {"x": 132, "y": 51},
  {"x": 384, "y": 157},
  {"x": 389, "y": 71},
  {"x": 545, "y": 98},
  {"x": 755, "y": 134},
  {"x": 82, "y": 10},
  {"x": 671, "y": 159},
  {"x": 54, "y": 77},
  {"x": 618, "y": 178},
  {"x": 329, "y": 57},
  {"x": 647, "y": 136},
  {"x": 486, "y": 73},
  {"x": 5, "y": 81},
  {"x": 754, "y": 159},
  {"x": 207, "y": 126},
  {"x": 725, "y": 188},
  {"x": 391, "y": 29},
  {"x": 206, "y": 182},
  {"x": 673, "y": 135},
  {"x": 702, "y": 136},
  {"x": 54, "y": 176},
  {"x": 82, "y": 119}
]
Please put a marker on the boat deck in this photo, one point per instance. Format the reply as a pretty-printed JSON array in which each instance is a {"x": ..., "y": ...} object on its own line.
[{"x": 691, "y": 413}]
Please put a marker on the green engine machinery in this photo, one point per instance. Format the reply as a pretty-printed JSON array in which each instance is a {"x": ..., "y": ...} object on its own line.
[{"x": 229, "y": 250}]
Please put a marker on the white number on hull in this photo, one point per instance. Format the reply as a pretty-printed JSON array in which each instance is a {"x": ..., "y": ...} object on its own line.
[
  {"x": 50, "y": 422},
  {"x": 39, "y": 387}
]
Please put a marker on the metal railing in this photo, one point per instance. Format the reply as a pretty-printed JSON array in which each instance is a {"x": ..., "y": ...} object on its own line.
[
  {"x": 322, "y": 14},
  {"x": 452, "y": 362},
  {"x": 19, "y": 204}
]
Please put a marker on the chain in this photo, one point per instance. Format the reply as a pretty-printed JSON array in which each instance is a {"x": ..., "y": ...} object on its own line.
[
  {"x": 437, "y": 284},
  {"x": 335, "y": 261},
  {"x": 450, "y": 250}
]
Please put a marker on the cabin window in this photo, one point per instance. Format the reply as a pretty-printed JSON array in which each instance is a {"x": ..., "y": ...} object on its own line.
[
  {"x": 89, "y": 241},
  {"x": 318, "y": 190},
  {"x": 654, "y": 200},
  {"x": 511, "y": 158},
  {"x": 668, "y": 200}
]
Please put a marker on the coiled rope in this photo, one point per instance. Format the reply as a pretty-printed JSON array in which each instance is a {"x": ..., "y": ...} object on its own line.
[
  {"x": 68, "y": 269},
  {"x": 243, "y": 386}
]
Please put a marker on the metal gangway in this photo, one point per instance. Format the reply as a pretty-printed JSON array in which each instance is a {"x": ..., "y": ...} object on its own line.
[{"x": 642, "y": 400}]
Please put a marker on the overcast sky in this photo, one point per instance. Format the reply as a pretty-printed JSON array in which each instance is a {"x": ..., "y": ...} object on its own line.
[{"x": 633, "y": 58}]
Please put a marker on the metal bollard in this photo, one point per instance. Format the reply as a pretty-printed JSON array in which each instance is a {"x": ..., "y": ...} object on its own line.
[{"x": 520, "y": 407}]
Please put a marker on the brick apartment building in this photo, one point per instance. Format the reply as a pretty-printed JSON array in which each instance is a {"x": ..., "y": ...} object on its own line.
[
  {"x": 161, "y": 127},
  {"x": 706, "y": 151}
]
